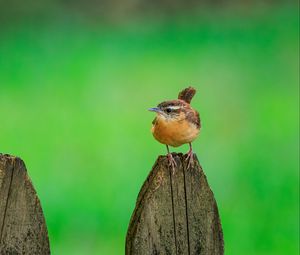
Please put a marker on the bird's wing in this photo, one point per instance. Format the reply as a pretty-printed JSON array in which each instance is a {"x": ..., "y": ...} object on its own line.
[{"x": 194, "y": 118}]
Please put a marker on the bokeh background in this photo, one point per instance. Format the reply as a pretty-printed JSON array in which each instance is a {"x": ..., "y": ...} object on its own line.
[{"x": 77, "y": 77}]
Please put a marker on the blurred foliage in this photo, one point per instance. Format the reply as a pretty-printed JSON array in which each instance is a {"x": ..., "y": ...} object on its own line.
[
  {"x": 74, "y": 95},
  {"x": 114, "y": 10}
]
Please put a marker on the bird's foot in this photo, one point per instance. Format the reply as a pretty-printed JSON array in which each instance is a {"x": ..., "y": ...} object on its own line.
[
  {"x": 190, "y": 159},
  {"x": 172, "y": 162}
]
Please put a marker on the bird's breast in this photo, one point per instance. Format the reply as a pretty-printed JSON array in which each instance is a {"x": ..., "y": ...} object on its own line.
[{"x": 174, "y": 132}]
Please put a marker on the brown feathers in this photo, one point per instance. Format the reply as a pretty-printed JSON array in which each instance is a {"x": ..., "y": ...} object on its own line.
[{"x": 187, "y": 94}]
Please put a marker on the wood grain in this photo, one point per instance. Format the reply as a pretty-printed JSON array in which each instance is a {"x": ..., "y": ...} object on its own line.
[
  {"x": 175, "y": 214},
  {"x": 22, "y": 225}
]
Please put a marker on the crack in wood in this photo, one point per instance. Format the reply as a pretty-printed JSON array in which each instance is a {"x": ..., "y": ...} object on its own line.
[
  {"x": 186, "y": 208},
  {"x": 173, "y": 209}
]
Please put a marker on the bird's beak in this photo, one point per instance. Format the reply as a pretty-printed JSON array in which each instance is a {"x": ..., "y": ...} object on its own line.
[{"x": 155, "y": 109}]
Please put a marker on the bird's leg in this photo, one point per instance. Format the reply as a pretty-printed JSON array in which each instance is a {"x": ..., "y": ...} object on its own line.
[
  {"x": 172, "y": 162},
  {"x": 190, "y": 157}
]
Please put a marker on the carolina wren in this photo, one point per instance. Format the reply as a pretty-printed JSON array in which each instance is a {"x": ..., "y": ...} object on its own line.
[{"x": 177, "y": 123}]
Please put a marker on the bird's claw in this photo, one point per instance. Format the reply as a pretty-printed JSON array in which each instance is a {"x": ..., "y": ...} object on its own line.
[
  {"x": 190, "y": 159},
  {"x": 172, "y": 162}
]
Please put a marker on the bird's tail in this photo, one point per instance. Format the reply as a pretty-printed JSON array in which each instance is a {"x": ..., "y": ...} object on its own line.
[{"x": 187, "y": 94}]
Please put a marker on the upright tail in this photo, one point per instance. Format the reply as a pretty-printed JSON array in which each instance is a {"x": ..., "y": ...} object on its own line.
[{"x": 187, "y": 94}]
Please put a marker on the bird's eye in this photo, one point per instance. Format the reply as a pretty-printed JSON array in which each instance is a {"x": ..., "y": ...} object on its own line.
[{"x": 168, "y": 110}]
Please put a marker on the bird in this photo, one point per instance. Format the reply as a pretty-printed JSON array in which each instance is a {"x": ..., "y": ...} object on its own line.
[{"x": 177, "y": 123}]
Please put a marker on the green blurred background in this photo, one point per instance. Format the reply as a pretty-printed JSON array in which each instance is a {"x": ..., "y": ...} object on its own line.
[{"x": 76, "y": 79}]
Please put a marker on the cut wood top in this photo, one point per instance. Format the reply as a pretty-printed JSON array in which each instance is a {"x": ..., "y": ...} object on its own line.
[
  {"x": 175, "y": 214},
  {"x": 22, "y": 225}
]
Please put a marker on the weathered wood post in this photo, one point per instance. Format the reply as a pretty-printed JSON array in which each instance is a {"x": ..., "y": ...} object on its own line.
[
  {"x": 22, "y": 225},
  {"x": 175, "y": 214}
]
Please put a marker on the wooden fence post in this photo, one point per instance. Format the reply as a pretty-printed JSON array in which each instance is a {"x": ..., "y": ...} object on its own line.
[
  {"x": 22, "y": 225},
  {"x": 175, "y": 214}
]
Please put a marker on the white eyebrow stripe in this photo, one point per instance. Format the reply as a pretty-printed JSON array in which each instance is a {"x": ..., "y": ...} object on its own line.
[{"x": 174, "y": 107}]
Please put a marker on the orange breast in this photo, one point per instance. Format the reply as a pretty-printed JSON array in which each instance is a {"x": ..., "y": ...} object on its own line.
[{"x": 174, "y": 132}]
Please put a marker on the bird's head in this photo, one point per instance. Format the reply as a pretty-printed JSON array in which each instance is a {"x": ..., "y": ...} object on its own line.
[
  {"x": 171, "y": 110},
  {"x": 175, "y": 109}
]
